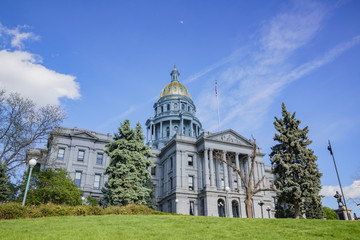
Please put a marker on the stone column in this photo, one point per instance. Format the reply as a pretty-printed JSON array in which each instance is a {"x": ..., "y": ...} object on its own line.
[
  {"x": 206, "y": 167},
  {"x": 226, "y": 179},
  {"x": 212, "y": 170},
  {"x": 217, "y": 172},
  {"x": 238, "y": 179},
  {"x": 170, "y": 129},
  {"x": 191, "y": 129},
  {"x": 161, "y": 131},
  {"x": 178, "y": 170}
]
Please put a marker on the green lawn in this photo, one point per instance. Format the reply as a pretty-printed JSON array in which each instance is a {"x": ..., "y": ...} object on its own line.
[{"x": 175, "y": 227}]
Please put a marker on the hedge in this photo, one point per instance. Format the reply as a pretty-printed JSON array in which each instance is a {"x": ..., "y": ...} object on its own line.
[{"x": 14, "y": 210}]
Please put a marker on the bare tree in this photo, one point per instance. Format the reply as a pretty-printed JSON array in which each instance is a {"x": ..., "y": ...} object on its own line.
[
  {"x": 23, "y": 125},
  {"x": 251, "y": 186}
]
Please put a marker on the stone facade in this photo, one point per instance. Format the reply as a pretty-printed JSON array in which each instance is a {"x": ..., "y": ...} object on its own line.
[
  {"x": 81, "y": 153},
  {"x": 188, "y": 177}
]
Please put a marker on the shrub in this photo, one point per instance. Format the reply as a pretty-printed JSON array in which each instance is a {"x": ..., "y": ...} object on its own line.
[
  {"x": 14, "y": 210},
  {"x": 11, "y": 211}
]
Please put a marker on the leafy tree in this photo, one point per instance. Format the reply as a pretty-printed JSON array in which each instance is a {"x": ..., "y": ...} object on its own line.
[
  {"x": 22, "y": 125},
  {"x": 52, "y": 186},
  {"x": 5, "y": 187},
  {"x": 297, "y": 174},
  {"x": 128, "y": 169},
  {"x": 329, "y": 213},
  {"x": 92, "y": 201},
  {"x": 251, "y": 187}
]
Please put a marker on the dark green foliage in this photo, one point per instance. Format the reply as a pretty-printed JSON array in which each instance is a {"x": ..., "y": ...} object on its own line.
[
  {"x": 329, "y": 213},
  {"x": 297, "y": 174},
  {"x": 128, "y": 169},
  {"x": 92, "y": 201},
  {"x": 5, "y": 187},
  {"x": 15, "y": 210},
  {"x": 53, "y": 186}
]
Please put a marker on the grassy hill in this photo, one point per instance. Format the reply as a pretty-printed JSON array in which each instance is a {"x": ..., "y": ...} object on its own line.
[{"x": 175, "y": 227}]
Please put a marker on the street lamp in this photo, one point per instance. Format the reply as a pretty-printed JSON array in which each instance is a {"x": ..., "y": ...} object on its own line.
[
  {"x": 261, "y": 203},
  {"x": 176, "y": 205},
  {"x": 32, "y": 163},
  {"x": 227, "y": 189},
  {"x": 268, "y": 209},
  {"x": 82, "y": 200}
]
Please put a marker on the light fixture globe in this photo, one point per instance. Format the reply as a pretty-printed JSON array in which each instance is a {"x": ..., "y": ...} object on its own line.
[
  {"x": 227, "y": 189},
  {"x": 32, "y": 162},
  {"x": 176, "y": 200}
]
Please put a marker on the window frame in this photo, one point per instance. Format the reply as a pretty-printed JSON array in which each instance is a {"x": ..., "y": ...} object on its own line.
[
  {"x": 191, "y": 183},
  {"x": 63, "y": 154},
  {"x": 97, "y": 158},
  {"x": 191, "y": 162},
  {"x": 99, "y": 182},
  {"x": 79, "y": 179},
  {"x": 78, "y": 156}
]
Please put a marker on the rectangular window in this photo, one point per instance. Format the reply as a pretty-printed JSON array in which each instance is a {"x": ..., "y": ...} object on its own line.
[
  {"x": 192, "y": 204},
  {"x": 222, "y": 186},
  {"x": 61, "y": 153},
  {"x": 168, "y": 107},
  {"x": 222, "y": 166},
  {"x": 191, "y": 183},
  {"x": 171, "y": 163},
  {"x": 171, "y": 183},
  {"x": 153, "y": 171},
  {"x": 99, "y": 158},
  {"x": 78, "y": 178},
  {"x": 190, "y": 161},
  {"x": 97, "y": 181},
  {"x": 81, "y": 155}
]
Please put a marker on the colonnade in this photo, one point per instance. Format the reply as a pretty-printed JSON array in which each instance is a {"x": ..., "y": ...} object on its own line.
[{"x": 213, "y": 174}]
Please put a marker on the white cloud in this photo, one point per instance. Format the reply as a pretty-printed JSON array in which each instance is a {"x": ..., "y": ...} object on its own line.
[
  {"x": 17, "y": 37},
  {"x": 256, "y": 75},
  {"x": 352, "y": 191},
  {"x": 22, "y": 72}
]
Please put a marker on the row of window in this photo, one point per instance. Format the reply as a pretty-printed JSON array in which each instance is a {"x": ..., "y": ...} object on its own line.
[
  {"x": 80, "y": 156},
  {"x": 78, "y": 176},
  {"x": 166, "y": 107}
]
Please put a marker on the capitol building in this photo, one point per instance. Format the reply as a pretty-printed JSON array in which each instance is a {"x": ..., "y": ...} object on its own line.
[{"x": 188, "y": 177}]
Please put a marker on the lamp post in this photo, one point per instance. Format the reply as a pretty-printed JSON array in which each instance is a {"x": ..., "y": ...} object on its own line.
[
  {"x": 82, "y": 200},
  {"x": 268, "y": 210},
  {"x": 227, "y": 189},
  {"x": 176, "y": 205},
  {"x": 261, "y": 203},
  {"x": 32, "y": 163}
]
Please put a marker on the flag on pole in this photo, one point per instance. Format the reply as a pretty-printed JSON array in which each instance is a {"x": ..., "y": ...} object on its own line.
[
  {"x": 329, "y": 148},
  {"x": 215, "y": 87}
]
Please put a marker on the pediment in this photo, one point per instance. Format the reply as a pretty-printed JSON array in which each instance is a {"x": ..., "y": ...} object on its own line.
[
  {"x": 84, "y": 134},
  {"x": 230, "y": 136}
]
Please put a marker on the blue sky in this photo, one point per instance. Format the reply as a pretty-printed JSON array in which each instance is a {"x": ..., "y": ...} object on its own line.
[{"x": 106, "y": 61}]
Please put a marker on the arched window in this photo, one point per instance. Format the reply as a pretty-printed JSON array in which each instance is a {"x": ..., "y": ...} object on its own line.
[
  {"x": 221, "y": 207},
  {"x": 183, "y": 106},
  {"x": 168, "y": 107},
  {"x": 168, "y": 131},
  {"x": 162, "y": 108},
  {"x": 235, "y": 208},
  {"x": 175, "y": 107}
]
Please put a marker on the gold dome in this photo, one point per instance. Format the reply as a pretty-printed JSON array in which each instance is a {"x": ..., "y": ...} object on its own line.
[{"x": 174, "y": 88}]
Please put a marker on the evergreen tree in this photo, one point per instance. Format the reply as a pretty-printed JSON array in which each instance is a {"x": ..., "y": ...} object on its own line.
[
  {"x": 53, "y": 186},
  {"x": 297, "y": 174},
  {"x": 128, "y": 169},
  {"x": 5, "y": 187}
]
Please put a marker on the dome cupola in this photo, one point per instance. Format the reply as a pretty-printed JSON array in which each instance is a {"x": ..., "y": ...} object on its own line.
[{"x": 174, "y": 114}]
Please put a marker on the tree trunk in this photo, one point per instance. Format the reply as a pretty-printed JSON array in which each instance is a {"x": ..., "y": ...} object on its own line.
[
  {"x": 248, "y": 206},
  {"x": 297, "y": 210}
]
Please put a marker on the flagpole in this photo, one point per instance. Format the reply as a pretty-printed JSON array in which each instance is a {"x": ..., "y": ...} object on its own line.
[
  {"x": 337, "y": 173},
  {"x": 217, "y": 99}
]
